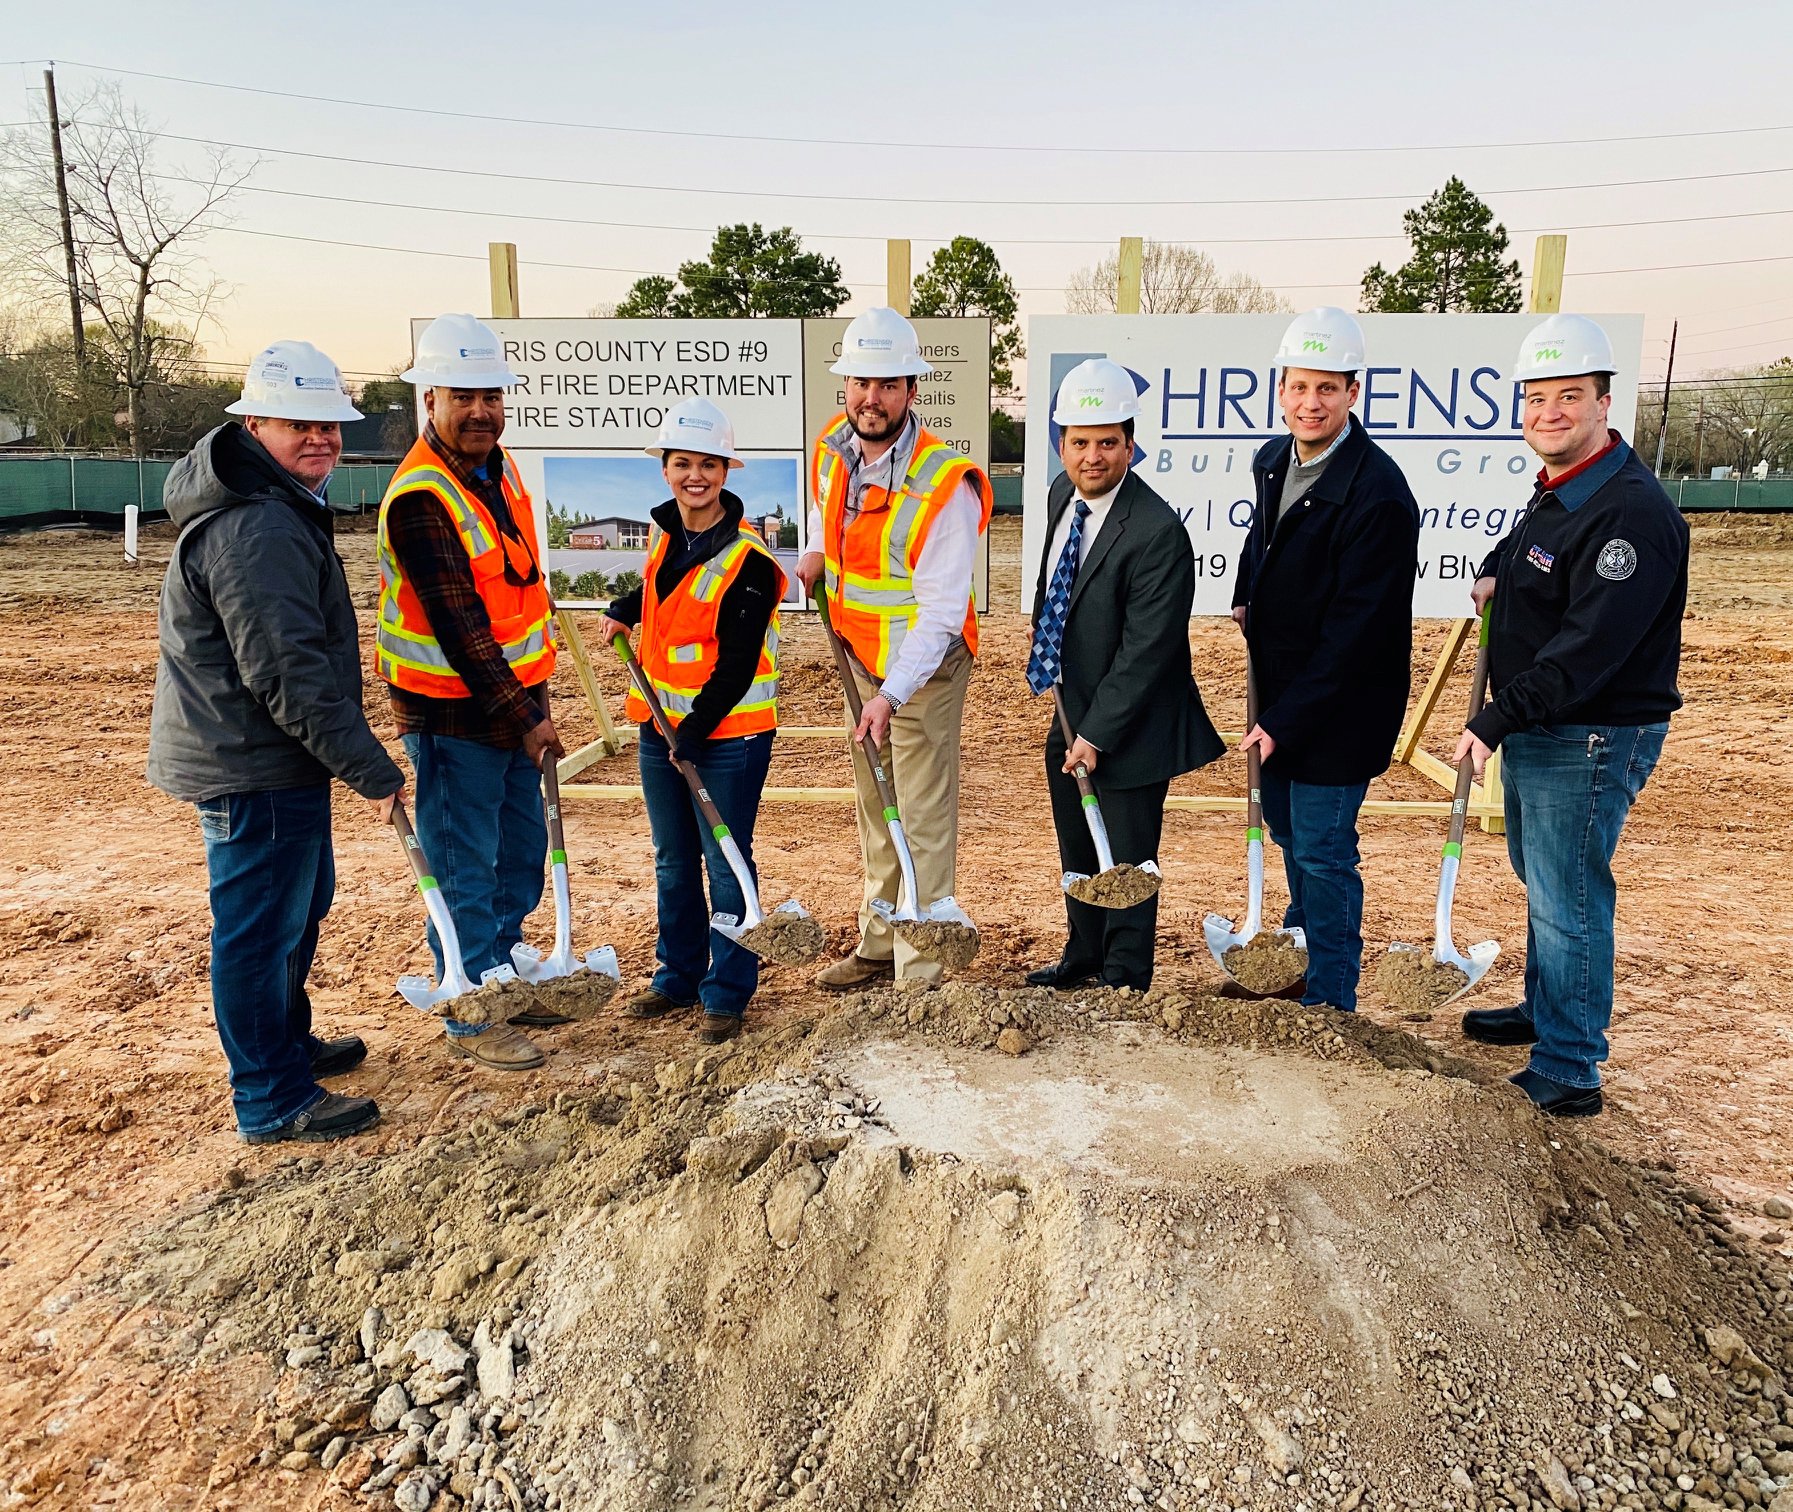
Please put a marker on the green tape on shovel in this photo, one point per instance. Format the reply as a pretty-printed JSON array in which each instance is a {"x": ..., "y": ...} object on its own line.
[
  {"x": 720, "y": 832},
  {"x": 426, "y": 884},
  {"x": 1253, "y": 832},
  {"x": 1089, "y": 800},
  {"x": 559, "y": 857},
  {"x": 891, "y": 816},
  {"x": 1451, "y": 848}
]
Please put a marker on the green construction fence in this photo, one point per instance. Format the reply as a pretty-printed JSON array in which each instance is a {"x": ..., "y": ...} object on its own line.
[{"x": 70, "y": 490}]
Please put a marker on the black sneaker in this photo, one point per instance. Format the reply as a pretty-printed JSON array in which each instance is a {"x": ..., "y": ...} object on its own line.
[
  {"x": 1500, "y": 1026},
  {"x": 1063, "y": 978},
  {"x": 1556, "y": 1098},
  {"x": 334, "y": 1057},
  {"x": 714, "y": 1028},
  {"x": 335, "y": 1117}
]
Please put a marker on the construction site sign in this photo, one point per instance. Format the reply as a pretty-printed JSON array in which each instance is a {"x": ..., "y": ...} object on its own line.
[{"x": 1438, "y": 394}]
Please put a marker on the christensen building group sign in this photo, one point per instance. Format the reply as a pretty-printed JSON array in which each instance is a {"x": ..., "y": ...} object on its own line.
[{"x": 1438, "y": 395}]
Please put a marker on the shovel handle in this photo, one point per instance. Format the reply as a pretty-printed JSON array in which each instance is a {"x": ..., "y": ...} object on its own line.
[
  {"x": 557, "y": 837},
  {"x": 1254, "y": 765},
  {"x": 1084, "y": 786},
  {"x": 850, "y": 685},
  {"x": 420, "y": 866},
  {"x": 1478, "y": 689}
]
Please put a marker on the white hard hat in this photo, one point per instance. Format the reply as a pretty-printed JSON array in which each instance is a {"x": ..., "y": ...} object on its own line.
[
  {"x": 1564, "y": 346},
  {"x": 459, "y": 351},
  {"x": 293, "y": 380},
  {"x": 1096, "y": 392},
  {"x": 1325, "y": 338},
  {"x": 696, "y": 425},
  {"x": 880, "y": 344}
]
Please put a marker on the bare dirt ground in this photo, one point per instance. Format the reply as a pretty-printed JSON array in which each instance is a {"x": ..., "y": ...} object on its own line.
[{"x": 114, "y": 1114}]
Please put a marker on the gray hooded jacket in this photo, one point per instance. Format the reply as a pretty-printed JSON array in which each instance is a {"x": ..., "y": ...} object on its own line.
[{"x": 259, "y": 681}]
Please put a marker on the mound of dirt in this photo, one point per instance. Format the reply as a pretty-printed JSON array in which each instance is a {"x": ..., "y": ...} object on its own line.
[
  {"x": 1412, "y": 981},
  {"x": 950, "y": 943},
  {"x": 1121, "y": 886},
  {"x": 578, "y": 996},
  {"x": 1187, "y": 1252},
  {"x": 785, "y": 939},
  {"x": 1268, "y": 962}
]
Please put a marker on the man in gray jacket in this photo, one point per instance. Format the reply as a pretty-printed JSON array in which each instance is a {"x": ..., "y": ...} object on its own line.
[{"x": 258, "y": 706}]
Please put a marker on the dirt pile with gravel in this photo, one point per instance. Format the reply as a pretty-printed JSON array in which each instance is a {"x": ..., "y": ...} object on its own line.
[
  {"x": 972, "y": 1248},
  {"x": 1268, "y": 962},
  {"x": 1121, "y": 886},
  {"x": 1415, "y": 983}
]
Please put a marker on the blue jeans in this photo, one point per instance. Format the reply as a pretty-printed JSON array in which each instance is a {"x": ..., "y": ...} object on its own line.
[
  {"x": 1568, "y": 790},
  {"x": 696, "y": 963},
  {"x": 272, "y": 877},
  {"x": 483, "y": 831},
  {"x": 1315, "y": 827}
]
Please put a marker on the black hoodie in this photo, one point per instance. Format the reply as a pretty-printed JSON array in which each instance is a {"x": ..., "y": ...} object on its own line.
[{"x": 258, "y": 685}]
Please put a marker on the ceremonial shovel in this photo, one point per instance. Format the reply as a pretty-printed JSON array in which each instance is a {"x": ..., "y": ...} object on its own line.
[
  {"x": 909, "y": 909},
  {"x": 726, "y": 925},
  {"x": 1219, "y": 931},
  {"x": 1098, "y": 831},
  {"x": 529, "y": 962},
  {"x": 1474, "y": 966},
  {"x": 416, "y": 990}
]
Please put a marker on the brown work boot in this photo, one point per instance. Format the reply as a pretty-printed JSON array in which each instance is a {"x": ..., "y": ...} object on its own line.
[
  {"x": 854, "y": 971},
  {"x": 498, "y": 1046},
  {"x": 649, "y": 1004},
  {"x": 715, "y": 1028}
]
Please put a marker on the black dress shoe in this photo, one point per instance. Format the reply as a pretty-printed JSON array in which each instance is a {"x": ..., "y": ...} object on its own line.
[
  {"x": 1556, "y": 1099},
  {"x": 336, "y": 1056},
  {"x": 332, "y": 1117},
  {"x": 1500, "y": 1026},
  {"x": 1063, "y": 977},
  {"x": 1293, "y": 993}
]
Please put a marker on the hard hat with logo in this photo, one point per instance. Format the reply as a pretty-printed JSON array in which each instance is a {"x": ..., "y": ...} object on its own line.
[
  {"x": 1096, "y": 392},
  {"x": 293, "y": 380},
  {"x": 880, "y": 344},
  {"x": 1325, "y": 338},
  {"x": 696, "y": 425},
  {"x": 459, "y": 351},
  {"x": 1564, "y": 346}
]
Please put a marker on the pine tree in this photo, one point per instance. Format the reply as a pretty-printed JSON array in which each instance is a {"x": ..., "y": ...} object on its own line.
[{"x": 1456, "y": 264}]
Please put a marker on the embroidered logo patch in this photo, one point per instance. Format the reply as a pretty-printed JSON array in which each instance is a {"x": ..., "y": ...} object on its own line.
[
  {"x": 1618, "y": 560},
  {"x": 1540, "y": 558}
]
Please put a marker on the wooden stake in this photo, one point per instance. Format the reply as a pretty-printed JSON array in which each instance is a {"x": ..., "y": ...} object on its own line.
[
  {"x": 1549, "y": 253},
  {"x": 502, "y": 256},
  {"x": 1409, "y": 742},
  {"x": 896, "y": 276},
  {"x": 608, "y": 737},
  {"x": 1128, "y": 274}
]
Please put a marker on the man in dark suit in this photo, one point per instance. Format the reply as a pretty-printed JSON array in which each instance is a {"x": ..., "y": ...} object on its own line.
[
  {"x": 1111, "y": 640},
  {"x": 1325, "y": 598}
]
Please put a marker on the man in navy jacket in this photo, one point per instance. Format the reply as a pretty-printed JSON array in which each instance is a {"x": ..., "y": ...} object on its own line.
[
  {"x": 1584, "y": 643},
  {"x": 1325, "y": 598}
]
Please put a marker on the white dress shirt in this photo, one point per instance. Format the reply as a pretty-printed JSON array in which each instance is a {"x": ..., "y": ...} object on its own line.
[
  {"x": 1092, "y": 527},
  {"x": 942, "y": 582}
]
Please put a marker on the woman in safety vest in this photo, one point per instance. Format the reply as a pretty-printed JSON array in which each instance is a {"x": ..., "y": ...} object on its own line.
[{"x": 708, "y": 612}]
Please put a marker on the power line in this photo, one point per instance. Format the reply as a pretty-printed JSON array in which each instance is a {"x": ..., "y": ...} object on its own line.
[{"x": 910, "y": 146}]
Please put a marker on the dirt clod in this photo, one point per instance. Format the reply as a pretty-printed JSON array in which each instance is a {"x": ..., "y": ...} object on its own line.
[
  {"x": 943, "y": 940},
  {"x": 1268, "y": 962},
  {"x": 578, "y": 996},
  {"x": 1415, "y": 983},
  {"x": 785, "y": 939},
  {"x": 1121, "y": 886}
]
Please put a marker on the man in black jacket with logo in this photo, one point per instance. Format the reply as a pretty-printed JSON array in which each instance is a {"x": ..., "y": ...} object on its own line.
[
  {"x": 257, "y": 708},
  {"x": 1325, "y": 598},
  {"x": 1584, "y": 644},
  {"x": 1111, "y": 642}
]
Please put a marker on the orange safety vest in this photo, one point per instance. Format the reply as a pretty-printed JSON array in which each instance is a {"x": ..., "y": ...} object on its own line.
[
  {"x": 406, "y": 651},
  {"x": 870, "y": 560},
  {"x": 678, "y": 640}
]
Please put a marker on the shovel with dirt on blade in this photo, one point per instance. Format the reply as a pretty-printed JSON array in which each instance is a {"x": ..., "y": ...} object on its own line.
[
  {"x": 787, "y": 935},
  {"x": 1115, "y": 884},
  {"x": 1409, "y": 976},
  {"x": 940, "y": 930},
  {"x": 437, "y": 998}
]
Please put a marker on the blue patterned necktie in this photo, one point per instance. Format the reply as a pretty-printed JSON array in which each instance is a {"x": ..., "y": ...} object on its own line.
[{"x": 1043, "y": 665}]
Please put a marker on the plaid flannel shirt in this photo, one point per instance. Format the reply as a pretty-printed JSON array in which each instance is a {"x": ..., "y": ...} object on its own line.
[{"x": 435, "y": 564}]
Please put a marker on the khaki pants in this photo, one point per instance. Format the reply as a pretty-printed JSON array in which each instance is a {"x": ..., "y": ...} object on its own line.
[{"x": 921, "y": 757}]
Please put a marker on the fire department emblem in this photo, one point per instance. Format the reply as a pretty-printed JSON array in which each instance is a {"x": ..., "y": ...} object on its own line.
[{"x": 1618, "y": 560}]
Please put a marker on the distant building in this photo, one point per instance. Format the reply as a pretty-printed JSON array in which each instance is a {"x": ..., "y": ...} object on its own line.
[{"x": 615, "y": 534}]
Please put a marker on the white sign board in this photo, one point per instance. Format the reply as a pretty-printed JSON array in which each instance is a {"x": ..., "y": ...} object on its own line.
[{"x": 1438, "y": 394}]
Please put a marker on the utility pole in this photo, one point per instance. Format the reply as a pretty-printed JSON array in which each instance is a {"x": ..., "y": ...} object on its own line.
[
  {"x": 68, "y": 232},
  {"x": 1699, "y": 438},
  {"x": 1667, "y": 380}
]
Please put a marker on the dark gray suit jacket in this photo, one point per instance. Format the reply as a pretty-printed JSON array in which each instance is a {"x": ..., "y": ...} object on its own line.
[{"x": 1128, "y": 686}]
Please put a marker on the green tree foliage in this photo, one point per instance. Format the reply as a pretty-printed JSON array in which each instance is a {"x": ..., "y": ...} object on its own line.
[
  {"x": 559, "y": 584},
  {"x": 750, "y": 272},
  {"x": 1008, "y": 437},
  {"x": 393, "y": 403},
  {"x": 590, "y": 585},
  {"x": 1458, "y": 262},
  {"x": 625, "y": 582},
  {"x": 964, "y": 278},
  {"x": 560, "y": 526}
]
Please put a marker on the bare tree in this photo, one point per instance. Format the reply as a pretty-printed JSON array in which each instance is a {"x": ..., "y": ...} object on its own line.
[
  {"x": 136, "y": 231},
  {"x": 1174, "y": 280}
]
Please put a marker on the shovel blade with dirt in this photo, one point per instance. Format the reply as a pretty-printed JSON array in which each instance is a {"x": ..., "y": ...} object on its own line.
[
  {"x": 1113, "y": 885},
  {"x": 419, "y": 991},
  {"x": 560, "y": 963},
  {"x": 789, "y": 934},
  {"x": 939, "y": 930}
]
